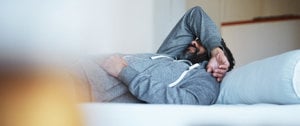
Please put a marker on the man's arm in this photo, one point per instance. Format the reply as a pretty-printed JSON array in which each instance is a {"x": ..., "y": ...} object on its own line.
[
  {"x": 197, "y": 91},
  {"x": 197, "y": 24}
]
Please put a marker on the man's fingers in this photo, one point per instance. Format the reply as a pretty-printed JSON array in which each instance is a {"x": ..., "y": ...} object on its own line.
[
  {"x": 223, "y": 66},
  {"x": 218, "y": 75},
  {"x": 220, "y": 71}
]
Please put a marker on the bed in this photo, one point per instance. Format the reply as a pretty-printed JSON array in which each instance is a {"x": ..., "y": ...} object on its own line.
[
  {"x": 263, "y": 93},
  {"x": 113, "y": 114}
]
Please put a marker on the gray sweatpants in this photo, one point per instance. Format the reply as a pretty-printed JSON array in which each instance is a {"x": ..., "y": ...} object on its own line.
[{"x": 102, "y": 86}]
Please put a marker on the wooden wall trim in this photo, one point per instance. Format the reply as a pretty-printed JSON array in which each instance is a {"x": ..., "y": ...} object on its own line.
[{"x": 262, "y": 19}]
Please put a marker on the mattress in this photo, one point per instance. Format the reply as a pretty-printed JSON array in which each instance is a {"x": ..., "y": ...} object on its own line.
[{"x": 116, "y": 114}]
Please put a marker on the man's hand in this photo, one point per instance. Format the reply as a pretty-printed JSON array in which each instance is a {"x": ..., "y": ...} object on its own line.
[
  {"x": 113, "y": 65},
  {"x": 218, "y": 64}
]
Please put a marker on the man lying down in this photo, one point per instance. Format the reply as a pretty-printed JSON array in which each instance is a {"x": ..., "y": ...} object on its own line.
[{"x": 186, "y": 69}]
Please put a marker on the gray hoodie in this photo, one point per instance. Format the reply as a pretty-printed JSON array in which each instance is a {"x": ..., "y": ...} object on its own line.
[
  {"x": 153, "y": 78},
  {"x": 161, "y": 79}
]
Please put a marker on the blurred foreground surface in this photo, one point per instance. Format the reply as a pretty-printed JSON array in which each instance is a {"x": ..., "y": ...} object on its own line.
[{"x": 33, "y": 95}]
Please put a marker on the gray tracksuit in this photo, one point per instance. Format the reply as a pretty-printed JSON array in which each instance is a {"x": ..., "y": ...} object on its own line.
[
  {"x": 152, "y": 78},
  {"x": 158, "y": 78}
]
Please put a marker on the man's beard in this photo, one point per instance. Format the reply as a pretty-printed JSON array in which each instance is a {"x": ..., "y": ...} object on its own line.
[{"x": 194, "y": 57}]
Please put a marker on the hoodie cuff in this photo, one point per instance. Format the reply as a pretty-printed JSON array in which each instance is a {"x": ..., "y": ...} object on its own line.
[{"x": 127, "y": 74}]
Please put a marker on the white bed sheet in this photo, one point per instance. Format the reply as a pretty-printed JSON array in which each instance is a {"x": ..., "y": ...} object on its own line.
[{"x": 115, "y": 114}]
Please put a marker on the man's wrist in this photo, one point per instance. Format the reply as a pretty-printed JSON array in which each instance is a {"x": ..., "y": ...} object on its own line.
[
  {"x": 127, "y": 74},
  {"x": 216, "y": 51}
]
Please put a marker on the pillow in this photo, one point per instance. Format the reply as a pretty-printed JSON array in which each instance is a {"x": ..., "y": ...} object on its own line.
[{"x": 274, "y": 80}]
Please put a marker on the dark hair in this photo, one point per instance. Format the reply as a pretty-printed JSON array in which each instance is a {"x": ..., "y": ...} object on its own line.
[{"x": 229, "y": 55}]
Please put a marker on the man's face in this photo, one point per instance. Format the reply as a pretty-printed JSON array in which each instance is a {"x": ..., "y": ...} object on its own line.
[
  {"x": 195, "y": 53},
  {"x": 195, "y": 47}
]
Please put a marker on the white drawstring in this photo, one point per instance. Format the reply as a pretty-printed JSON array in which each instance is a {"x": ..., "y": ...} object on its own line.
[
  {"x": 183, "y": 75},
  {"x": 160, "y": 56},
  {"x": 186, "y": 61}
]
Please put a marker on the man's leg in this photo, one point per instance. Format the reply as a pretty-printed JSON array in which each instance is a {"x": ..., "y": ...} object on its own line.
[{"x": 194, "y": 24}]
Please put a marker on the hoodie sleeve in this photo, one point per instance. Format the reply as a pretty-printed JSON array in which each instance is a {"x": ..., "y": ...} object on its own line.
[
  {"x": 195, "y": 91},
  {"x": 194, "y": 24}
]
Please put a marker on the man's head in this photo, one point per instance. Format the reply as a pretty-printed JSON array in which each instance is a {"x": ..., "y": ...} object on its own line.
[{"x": 196, "y": 53}]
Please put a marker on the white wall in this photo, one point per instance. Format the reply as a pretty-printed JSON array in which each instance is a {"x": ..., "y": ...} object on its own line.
[
  {"x": 131, "y": 26},
  {"x": 107, "y": 26},
  {"x": 118, "y": 26},
  {"x": 49, "y": 25},
  {"x": 250, "y": 42},
  {"x": 166, "y": 14},
  {"x": 89, "y": 26}
]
